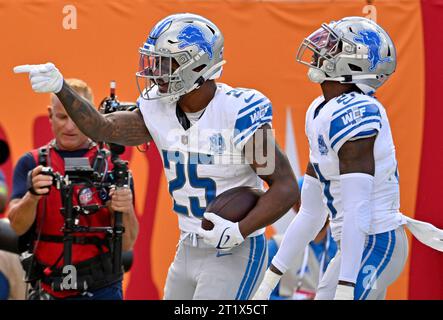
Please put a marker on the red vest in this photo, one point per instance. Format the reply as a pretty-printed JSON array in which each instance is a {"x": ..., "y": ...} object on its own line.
[{"x": 51, "y": 222}]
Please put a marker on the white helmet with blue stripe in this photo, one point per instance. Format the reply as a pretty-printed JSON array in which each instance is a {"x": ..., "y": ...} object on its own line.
[
  {"x": 182, "y": 52},
  {"x": 352, "y": 50}
]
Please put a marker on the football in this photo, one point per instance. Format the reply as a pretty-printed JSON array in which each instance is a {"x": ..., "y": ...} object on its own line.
[{"x": 233, "y": 204}]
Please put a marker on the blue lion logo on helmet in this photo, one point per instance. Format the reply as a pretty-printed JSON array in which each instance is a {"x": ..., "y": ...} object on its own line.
[
  {"x": 192, "y": 35},
  {"x": 372, "y": 40}
]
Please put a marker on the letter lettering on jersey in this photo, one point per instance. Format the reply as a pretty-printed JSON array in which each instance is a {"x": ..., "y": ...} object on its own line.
[
  {"x": 347, "y": 118},
  {"x": 259, "y": 114},
  {"x": 353, "y": 115},
  {"x": 254, "y": 117},
  {"x": 250, "y": 118},
  {"x": 354, "y": 121}
]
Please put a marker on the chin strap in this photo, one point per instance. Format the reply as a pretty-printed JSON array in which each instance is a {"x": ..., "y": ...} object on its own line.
[
  {"x": 351, "y": 78},
  {"x": 212, "y": 72},
  {"x": 319, "y": 76},
  {"x": 207, "y": 75}
]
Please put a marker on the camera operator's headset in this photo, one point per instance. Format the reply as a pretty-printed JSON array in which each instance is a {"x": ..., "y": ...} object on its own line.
[{"x": 92, "y": 274}]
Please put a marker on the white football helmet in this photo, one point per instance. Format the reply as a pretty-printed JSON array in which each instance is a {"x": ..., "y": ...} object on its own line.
[
  {"x": 352, "y": 50},
  {"x": 182, "y": 52}
]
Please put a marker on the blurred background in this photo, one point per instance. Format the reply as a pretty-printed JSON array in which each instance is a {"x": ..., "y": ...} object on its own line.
[{"x": 98, "y": 41}]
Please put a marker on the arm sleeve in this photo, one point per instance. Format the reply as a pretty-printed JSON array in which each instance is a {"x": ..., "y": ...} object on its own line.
[
  {"x": 356, "y": 190},
  {"x": 305, "y": 226},
  {"x": 354, "y": 122},
  {"x": 24, "y": 165},
  {"x": 254, "y": 113}
]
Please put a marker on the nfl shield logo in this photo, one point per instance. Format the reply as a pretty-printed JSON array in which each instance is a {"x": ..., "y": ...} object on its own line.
[
  {"x": 217, "y": 143},
  {"x": 85, "y": 196}
]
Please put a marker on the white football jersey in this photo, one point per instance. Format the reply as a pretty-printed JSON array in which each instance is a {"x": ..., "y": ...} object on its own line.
[
  {"x": 349, "y": 117},
  {"x": 207, "y": 159}
]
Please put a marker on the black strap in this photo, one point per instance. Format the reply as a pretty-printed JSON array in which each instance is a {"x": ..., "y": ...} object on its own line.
[
  {"x": 29, "y": 185},
  {"x": 183, "y": 119}
]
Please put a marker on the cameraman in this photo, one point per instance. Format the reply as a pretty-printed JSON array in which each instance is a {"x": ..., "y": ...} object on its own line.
[{"x": 34, "y": 213}]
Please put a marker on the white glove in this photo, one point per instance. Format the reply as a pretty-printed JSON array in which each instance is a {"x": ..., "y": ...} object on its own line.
[
  {"x": 224, "y": 236},
  {"x": 344, "y": 292},
  {"x": 44, "y": 77},
  {"x": 266, "y": 287}
]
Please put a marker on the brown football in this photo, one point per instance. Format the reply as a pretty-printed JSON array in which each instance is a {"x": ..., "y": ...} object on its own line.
[{"x": 233, "y": 204}]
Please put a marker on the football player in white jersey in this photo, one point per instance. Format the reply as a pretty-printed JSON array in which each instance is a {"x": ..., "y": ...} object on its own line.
[
  {"x": 352, "y": 168},
  {"x": 204, "y": 132}
]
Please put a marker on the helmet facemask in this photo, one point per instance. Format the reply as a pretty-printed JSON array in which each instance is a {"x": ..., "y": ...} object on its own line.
[
  {"x": 321, "y": 49},
  {"x": 319, "y": 46},
  {"x": 180, "y": 54},
  {"x": 159, "y": 75},
  {"x": 352, "y": 50}
]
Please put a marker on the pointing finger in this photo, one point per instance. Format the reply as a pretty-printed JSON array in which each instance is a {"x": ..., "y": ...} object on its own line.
[{"x": 23, "y": 68}]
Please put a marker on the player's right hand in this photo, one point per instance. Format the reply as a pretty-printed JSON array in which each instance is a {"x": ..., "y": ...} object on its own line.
[
  {"x": 39, "y": 184},
  {"x": 225, "y": 234},
  {"x": 43, "y": 77}
]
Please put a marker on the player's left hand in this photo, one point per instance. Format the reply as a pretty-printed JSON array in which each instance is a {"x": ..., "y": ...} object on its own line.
[
  {"x": 224, "y": 236},
  {"x": 344, "y": 292},
  {"x": 43, "y": 77}
]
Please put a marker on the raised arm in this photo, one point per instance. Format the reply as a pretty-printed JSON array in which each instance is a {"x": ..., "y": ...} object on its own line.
[{"x": 125, "y": 128}]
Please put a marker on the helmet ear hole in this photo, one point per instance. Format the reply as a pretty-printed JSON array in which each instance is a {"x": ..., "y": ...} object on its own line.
[
  {"x": 353, "y": 67},
  {"x": 199, "y": 68}
]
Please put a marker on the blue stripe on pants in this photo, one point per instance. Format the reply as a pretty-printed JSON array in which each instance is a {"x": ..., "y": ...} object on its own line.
[
  {"x": 375, "y": 264},
  {"x": 251, "y": 254},
  {"x": 264, "y": 247},
  {"x": 255, "y": 263}
]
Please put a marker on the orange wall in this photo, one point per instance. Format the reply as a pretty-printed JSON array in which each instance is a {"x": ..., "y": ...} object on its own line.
[{"x": 261, "y": 40}]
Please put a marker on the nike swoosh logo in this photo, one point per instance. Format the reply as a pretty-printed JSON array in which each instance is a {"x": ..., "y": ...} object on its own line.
[
  {"x": 219, "y": 245},
  {"x": 221, "y": 254},
  {"x": 227, "y": 239},
  {"x": 247, "y": 100}
]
